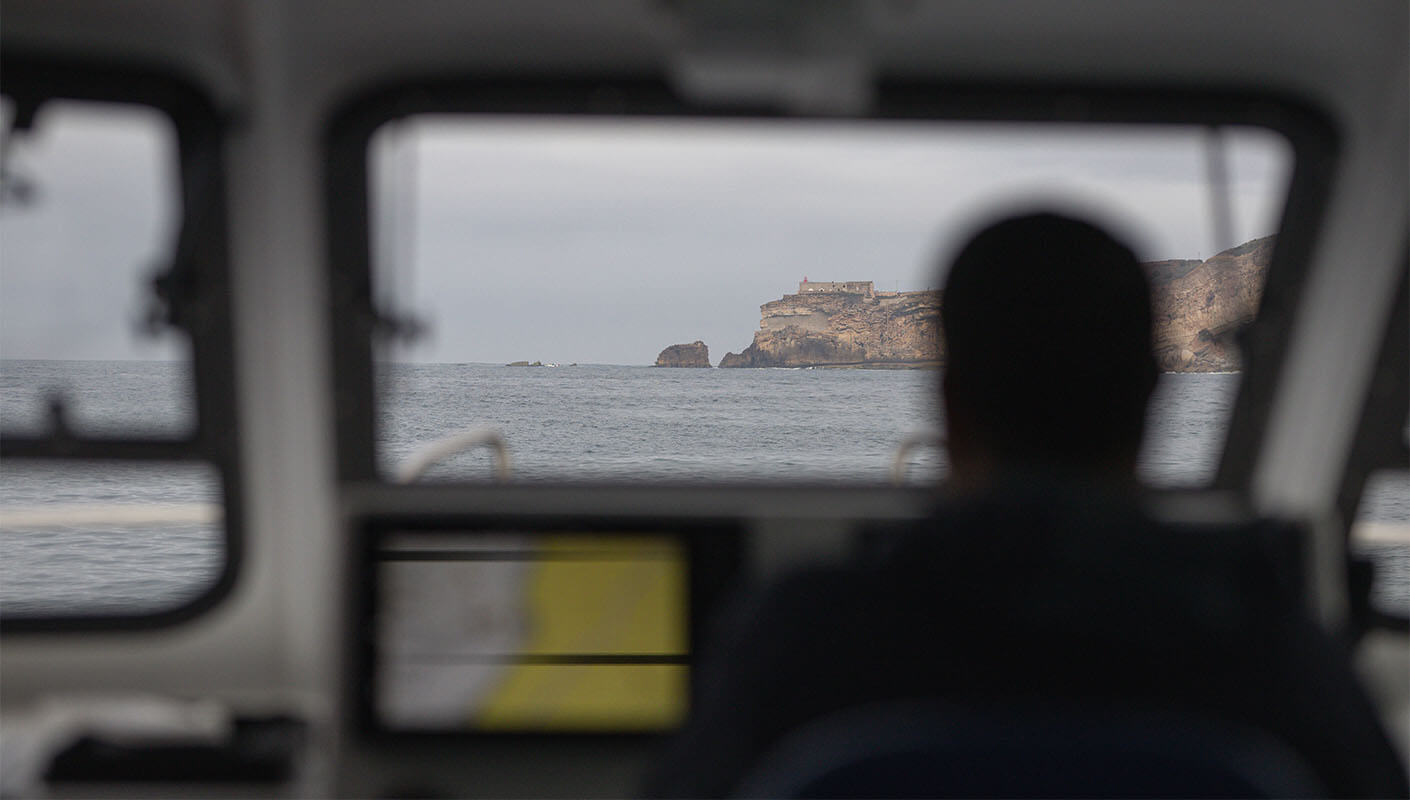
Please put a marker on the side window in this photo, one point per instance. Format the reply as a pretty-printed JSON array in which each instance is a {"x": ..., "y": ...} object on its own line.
[
  {"x": 1381, "y": 533},
  {"x": 115, "y": 454},
  {"x": 92, "y": 203},
  {"x": 1375, "y": 493}
]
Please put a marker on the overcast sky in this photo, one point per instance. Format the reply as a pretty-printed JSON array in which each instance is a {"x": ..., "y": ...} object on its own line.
[{"x": 598, "y": 242}]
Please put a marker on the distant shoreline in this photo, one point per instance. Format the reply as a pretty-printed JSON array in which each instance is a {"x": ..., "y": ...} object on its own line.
[{"x": 864, "y": 365}]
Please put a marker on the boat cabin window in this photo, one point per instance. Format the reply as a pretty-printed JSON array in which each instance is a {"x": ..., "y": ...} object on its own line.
[
  {"x": 107, "y": 538},
  {"x": 529, "y": 630},
  {"x": 89, "y": 216},
  {"x": 112, "y": 478},
  {"x": 677, "y": 300},
  {"x": 1378, "y": 533}
]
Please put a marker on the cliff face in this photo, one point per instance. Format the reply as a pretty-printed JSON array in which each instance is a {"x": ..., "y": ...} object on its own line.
[
  {"x": 695, "y": 354},
  {"x": 1198, "y": 307},
  {"x": 898, "y": 329}
]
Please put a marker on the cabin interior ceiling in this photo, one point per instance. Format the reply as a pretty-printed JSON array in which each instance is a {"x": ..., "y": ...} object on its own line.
[
  {"x": 1293, "y": 47},
  {"x": 281, "y": 68}
]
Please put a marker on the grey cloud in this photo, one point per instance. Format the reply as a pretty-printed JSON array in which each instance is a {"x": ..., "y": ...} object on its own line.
[{"x": 605, "y": 242}]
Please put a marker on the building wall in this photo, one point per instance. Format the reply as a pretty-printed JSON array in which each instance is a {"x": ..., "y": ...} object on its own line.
[{"x": 836, "y": 287}]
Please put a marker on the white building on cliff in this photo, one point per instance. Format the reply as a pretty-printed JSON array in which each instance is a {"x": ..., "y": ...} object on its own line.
[{"x": 836, "y": 287}]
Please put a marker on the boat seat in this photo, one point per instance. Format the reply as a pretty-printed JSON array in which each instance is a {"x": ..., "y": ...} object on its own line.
[{"x": 910, "y": 750}]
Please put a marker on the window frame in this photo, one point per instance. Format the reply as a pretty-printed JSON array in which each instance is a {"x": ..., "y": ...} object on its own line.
[
  {"x": 1379, "y": 445},
  {"x": 197, "y": 276},
  {"x": 348, "y": 134}
]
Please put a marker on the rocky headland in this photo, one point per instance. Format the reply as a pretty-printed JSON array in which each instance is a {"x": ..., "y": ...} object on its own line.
[
  {"x": 695, "y": 354},
  {"x": 1198, "y": 305},
  {"x": 863, "y": 328}
]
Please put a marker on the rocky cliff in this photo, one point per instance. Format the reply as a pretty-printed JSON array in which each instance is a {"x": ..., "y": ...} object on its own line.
[
  {"x": 695, "y": 354},
  {"x": 1199, "y": 305},
  {"x": 875, "y": 329}
]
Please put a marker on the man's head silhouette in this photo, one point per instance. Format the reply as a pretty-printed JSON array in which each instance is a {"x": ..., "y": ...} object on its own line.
[{"x": 1047, "y": 325}]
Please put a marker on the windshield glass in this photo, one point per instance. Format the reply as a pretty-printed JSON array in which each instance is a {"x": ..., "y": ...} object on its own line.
[{"x": 567, "y": 273}]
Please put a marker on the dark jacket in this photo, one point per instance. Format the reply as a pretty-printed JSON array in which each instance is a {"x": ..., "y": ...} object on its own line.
[{"x": 1033, "y": 595}]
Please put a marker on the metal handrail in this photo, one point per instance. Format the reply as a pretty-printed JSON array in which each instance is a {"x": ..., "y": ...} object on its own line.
[
  {"x": 29, "y": 517},
  {"x": 920, "y": 438},
  {"x": 441, "y": 449}
]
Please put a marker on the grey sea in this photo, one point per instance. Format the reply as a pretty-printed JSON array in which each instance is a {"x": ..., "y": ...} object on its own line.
[{"x": 569, "y": 423}]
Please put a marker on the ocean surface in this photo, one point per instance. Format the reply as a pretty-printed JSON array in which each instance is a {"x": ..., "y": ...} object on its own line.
[{"x": 578, "y": 423}]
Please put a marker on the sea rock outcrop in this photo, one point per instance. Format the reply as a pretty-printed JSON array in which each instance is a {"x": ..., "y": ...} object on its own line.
[
  {"x": 695, "y": 354},
  {"x": 845, "y": 328}
]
